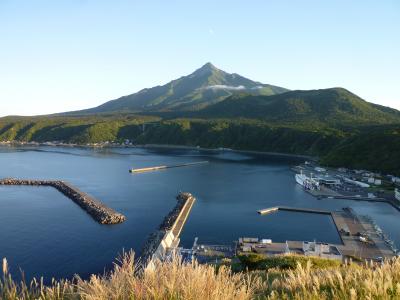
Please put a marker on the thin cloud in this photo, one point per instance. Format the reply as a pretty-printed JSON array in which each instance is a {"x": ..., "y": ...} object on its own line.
[{"x": 225, "y": 87}]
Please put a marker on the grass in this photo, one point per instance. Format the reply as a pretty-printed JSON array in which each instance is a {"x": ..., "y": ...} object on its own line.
[
  {"x": 254, "y": 261},
  {"x": 177, "y": 280}
]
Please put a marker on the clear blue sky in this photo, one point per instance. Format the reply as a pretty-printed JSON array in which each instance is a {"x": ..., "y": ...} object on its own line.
[{"x": 72, "y": 54}]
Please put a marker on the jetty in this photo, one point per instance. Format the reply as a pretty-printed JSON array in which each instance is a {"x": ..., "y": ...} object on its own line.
[
  {"x": 167, "y": 236},
  {"x": 295, "y": 209},
  {"x": 97, "y": 210},
  {"x": 148, "y": 169}
]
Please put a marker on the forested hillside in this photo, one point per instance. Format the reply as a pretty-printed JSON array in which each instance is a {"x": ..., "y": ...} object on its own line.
[{"x": 368, "y": 147}]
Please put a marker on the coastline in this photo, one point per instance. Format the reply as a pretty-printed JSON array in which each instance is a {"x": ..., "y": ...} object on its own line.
[{"x": 161, "y": 146}]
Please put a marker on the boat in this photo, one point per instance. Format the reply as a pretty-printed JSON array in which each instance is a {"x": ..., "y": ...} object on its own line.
[{"x": 309, "y": 183}]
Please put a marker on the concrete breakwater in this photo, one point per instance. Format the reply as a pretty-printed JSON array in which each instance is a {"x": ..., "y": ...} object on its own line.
[
  {"x": 294, "y": 209},
  {"x": 167, "y": 167},
  {"x": 167, "y": 234},
  {"x": 96, "y": 209}
]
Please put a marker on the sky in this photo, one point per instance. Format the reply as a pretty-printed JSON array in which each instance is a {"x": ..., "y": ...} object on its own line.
[{"x": 67, "y": 55}]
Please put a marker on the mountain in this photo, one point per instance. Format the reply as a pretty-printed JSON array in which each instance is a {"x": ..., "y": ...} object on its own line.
[
  {"x": 205, "y": 86},
  {"x": 333, "y": 106},
  {"x": 211, "y": 108}
]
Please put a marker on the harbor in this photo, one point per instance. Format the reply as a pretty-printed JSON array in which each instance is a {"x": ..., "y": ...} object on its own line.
[
  {"x": 226, "y": 190},
  {"x": 361, "y": 238},
  {"x": 97, "y": 210},
  {"x": 345, "y": 184}
]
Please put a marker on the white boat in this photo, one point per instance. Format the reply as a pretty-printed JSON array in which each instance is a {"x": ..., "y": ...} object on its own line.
[{"x": 308, "y": 183}]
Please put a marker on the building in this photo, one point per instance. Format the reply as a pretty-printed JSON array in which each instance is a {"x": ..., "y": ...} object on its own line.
[
  {"x": 321, "y": 250},
  {"x": 395, "y": 179},
  {"x": 328, "y": 180},
  {"x": 397, "y": 194},
  {"x": 267, "y": 247}
]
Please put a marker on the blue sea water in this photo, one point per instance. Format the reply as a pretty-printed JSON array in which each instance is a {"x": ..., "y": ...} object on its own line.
[{"x": 45, "y": 234}]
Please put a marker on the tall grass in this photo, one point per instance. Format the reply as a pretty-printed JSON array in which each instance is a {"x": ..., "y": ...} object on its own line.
[{"x": 177, "y": 280}]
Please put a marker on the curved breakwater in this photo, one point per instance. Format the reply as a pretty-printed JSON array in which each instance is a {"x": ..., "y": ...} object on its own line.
[{"x": 97, "y": 210}]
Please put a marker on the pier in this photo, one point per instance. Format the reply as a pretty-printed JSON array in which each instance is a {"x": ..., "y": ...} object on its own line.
[
  {"x": 148, "y": 169},
  {"x": 358, "y": 237},
  {"x": 97, "y": 210},
  {"x": 394, "y": 204},
  {"x": 167, "y": 236},
  {"x": 294, "y": 209}
]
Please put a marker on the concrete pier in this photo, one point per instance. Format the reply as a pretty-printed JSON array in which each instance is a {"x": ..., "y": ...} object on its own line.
[
  {"x": 97, "y": 210},
  {"x": 359, "y": 239},
  {"x": 295, "y": 209},
  {"x": 167, "y": 236},
  {"x": 141, "y": 170}
]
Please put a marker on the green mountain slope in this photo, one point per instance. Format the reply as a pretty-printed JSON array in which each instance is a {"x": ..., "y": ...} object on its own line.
[
  {"x": 212, "y": 108},
  {"x": 205, "y": 86},
  {"x": 335, "y": 106}
]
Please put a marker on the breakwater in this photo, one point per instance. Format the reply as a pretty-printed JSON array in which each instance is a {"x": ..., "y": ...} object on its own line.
[
  {"x": 141, "y": 170},
  {"x": 294, "y": 209},
  {"x": 97, "y": 210},
  {"x": 393, "y": 203},
  {"x": 167, "y": 234}
]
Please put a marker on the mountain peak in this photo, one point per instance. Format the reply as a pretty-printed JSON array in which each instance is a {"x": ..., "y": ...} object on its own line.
[
  {"x": 209, "y": 66},
  {"x": 203, "y": 87},
  {"x": 206, "y": 69}
]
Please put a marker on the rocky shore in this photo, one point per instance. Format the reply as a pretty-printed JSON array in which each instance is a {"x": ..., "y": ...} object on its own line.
[
  {"x": 98, "y": 211},
  {"x": 155, "y": 238}
]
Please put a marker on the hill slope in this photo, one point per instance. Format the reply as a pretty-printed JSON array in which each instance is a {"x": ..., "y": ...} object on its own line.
[
  {"x": 203, "y": 87},
  {"x": 334, "y": 106}
]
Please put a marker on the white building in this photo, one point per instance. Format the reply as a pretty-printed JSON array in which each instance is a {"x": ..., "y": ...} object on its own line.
[
  {"x": 395, "y": 179},
  {"x": 321, "y": 250}
]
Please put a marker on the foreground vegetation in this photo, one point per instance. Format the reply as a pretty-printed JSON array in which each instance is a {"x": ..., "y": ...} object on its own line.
[{"x": 177, "y": 280}]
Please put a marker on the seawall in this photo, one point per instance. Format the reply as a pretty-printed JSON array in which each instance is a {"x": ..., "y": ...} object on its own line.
[
  {"x": 167, "y": 235},
  {"x": 97, "y": 210}
]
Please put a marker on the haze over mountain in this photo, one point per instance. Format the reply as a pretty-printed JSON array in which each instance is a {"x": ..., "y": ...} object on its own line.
[{"x": 205, "y": 86}]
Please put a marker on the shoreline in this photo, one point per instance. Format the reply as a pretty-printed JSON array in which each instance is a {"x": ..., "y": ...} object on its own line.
[{"x": 161, "y": 146}]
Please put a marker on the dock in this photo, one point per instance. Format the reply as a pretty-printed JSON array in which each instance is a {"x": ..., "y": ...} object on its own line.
[
  {"x": 148, "y": 169},
  {"x": 160, "y": 242},
  {"x": 97, "y": 210},
  {"x": 359, "y": 239},
  {"x": 294, "y": 209},
  {"x": 350, "y": 226}
]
